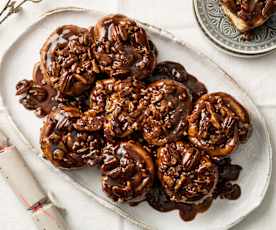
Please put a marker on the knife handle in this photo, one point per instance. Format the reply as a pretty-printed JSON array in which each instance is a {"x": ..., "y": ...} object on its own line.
[{"x": 20, "y": 178}]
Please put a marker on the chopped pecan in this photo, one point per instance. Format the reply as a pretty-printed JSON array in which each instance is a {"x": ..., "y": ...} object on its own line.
[{"x": 119, "y": 102}]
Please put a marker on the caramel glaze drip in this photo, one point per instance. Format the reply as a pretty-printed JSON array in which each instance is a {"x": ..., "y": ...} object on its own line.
[
  {"x": 48, "y": 103},
  {"x": 228, "y": 173},
  {"x": 225, "y": 189}
]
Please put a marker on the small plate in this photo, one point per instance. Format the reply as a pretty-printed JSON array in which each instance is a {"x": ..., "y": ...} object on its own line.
[
  {"x": 22, "y": 127},
  {"x": 223, "y": 49},
  {"x": 220, "y": 31}
]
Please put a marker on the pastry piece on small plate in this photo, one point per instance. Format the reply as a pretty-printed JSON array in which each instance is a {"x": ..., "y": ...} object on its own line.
[{"x": 248, "y": 14}]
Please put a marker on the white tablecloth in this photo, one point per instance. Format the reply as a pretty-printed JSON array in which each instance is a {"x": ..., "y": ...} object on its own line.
[{"x": 255, "y": 76}]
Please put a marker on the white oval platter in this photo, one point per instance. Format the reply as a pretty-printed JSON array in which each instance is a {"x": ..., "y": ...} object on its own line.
[{"x": 22, "y": 126}]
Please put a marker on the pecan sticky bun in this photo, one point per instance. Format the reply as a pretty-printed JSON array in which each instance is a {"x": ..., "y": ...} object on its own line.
[
  {"x": 177, "y": 72},
  {"x": 165, "y": 117},
  {"x": 122, "y": 48},
  {"x": 186, "y": 173},
  {"x": 119, "y": 102},
  {"x": 67, "y": 60},
  {"x": 65, "y": 146},
  {"x": 218, "y": 124},
  {"x": 127, "y": 172}
]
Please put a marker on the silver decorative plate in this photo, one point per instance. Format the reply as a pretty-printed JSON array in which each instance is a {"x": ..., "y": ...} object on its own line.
[
  {"x": 220, "y": 30},
  {"x": 223, "y": 49},
  {"x": 22, "y": 126}
]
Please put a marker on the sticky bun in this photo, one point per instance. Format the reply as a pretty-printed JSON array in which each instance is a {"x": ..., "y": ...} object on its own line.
[
  {"x": 119, "y": 102},
  {"x": 122, "y": 48},
  {"x": 186, "y": 173},
  {"x": 65, "y": 146},
  {"x": 67, "y": 60},
  {"x": 218, "y": 124},
  {"x": 127, "y": 171},
  {"x": 248, "y": 14},
  {"x": 177, "y": 72},
  {"x": 165, "y": 117}
]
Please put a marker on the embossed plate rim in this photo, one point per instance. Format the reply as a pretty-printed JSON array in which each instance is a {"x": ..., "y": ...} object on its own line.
[{"x": 224, "y": 49}]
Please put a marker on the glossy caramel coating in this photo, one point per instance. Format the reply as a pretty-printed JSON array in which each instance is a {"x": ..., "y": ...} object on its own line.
[
  {"x": 67, "y": 60},
  {"x": 165, "y": 117},
  {"x": 127, "y": 172},
  {"x": 119, "y": 103},
  {"x": 66, "y": 147},
  {"x": 187, "y": 174},
  {"x": 122, "y": 48},
  {"x": 218, "y": 124}
]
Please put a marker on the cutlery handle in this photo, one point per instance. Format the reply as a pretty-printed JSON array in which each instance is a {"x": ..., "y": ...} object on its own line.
[{"x": 19, "y": 177}]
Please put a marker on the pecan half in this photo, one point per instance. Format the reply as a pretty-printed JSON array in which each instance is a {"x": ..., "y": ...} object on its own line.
[{"x": 35, "y": 97}]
